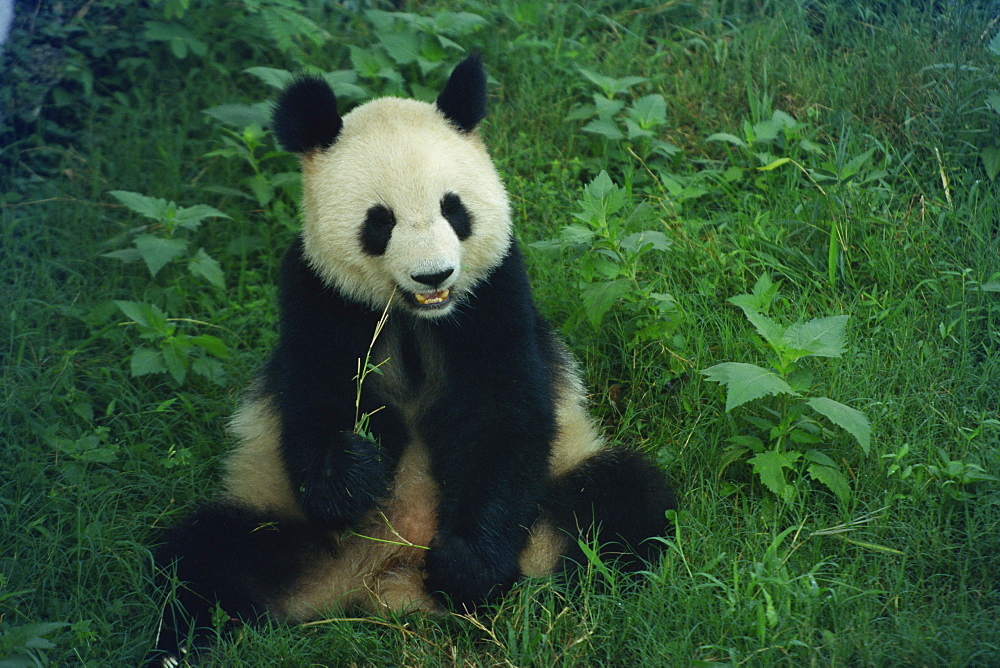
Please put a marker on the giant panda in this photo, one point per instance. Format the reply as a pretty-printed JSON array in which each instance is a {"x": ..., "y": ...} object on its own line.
[{"x": 418, "y": 439}]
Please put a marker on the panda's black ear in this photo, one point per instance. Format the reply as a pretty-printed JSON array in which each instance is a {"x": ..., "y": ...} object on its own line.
[
  {"x": 305, "y": 116},
  {"x": 463, "y": 100}
]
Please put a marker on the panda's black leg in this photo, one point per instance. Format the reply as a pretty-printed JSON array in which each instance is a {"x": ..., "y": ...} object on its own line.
[
  {"x": 231, "y": 558},
  {"x": 618, "y": 498}
]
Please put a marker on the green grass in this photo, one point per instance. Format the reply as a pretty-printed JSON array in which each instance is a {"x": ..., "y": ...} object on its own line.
[{"x": 94, "y": 460}]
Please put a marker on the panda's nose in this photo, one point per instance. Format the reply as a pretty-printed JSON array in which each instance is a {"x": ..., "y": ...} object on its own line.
[{"x": 433, "y": 280}]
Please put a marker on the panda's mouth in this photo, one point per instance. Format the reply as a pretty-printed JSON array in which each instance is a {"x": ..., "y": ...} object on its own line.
[{"x": 434, "y": 299}]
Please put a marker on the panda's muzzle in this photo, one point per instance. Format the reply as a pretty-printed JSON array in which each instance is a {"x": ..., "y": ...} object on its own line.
[{"x": 433, "y": 298}]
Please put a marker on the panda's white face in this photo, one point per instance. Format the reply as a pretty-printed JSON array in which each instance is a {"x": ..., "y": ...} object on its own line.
[{"x": 404, "y": 206}]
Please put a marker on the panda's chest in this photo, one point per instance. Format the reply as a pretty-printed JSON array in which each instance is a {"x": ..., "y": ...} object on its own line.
[{"x": 410, "y": 367}]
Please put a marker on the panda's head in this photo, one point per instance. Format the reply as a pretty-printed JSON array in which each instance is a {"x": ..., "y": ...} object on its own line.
[{"x": 401, "y": 199}]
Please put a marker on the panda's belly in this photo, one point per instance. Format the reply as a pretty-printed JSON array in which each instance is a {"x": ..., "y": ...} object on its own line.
[{"x": 378, "y": 566}]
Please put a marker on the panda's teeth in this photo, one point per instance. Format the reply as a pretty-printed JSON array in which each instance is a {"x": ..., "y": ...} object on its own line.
[{"x": 430, "y": 298}]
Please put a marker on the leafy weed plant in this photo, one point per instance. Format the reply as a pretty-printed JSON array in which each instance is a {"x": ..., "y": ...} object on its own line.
[
  {"x": 612, "y": 250},
  {"x": 793, "y": 435},
  {"x": 171, "y": 351}
]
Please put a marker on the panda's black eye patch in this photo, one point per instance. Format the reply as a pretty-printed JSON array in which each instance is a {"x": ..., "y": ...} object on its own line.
[
  {"x": 457, "y": 215},
  {"x": 377, "y": 229}
]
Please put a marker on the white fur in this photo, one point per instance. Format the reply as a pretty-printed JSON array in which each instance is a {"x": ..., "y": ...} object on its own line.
[{"x": 404, "y": 155}]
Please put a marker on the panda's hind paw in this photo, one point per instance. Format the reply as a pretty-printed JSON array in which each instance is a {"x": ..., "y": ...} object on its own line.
[{"x": 464, "y": 576}]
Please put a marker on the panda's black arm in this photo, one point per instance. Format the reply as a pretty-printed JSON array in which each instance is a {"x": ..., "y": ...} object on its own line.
[
  {"x": 490, "y": 439},
  {"x": 335, "y": 474}
]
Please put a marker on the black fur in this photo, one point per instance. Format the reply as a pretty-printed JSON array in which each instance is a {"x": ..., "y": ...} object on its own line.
[
  {"x": 377, "y": 230},
  {"x": 463, "y": 100},
  {"x": 336, "y": 475},
  {"x": 305, "y": 117},
  {"x": 619, "y": 499},
  {"x": 457, "y": 215},
  {"x": 231, "y": 554}
]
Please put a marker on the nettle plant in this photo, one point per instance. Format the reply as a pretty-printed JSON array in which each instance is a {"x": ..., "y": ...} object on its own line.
[
  {"x": 614, "y": 253},
  {"x": 631, "y": 126},
  {"x": 792, "y": 432},
  {"x": 161, "y": 245}
]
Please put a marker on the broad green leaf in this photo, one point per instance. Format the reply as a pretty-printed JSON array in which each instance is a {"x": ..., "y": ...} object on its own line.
[
  {"x": 601, "y": 198},
  {"x": 634, "y": 130},
  {"x": 600, "y": 186},
  {"x": 767, "y": 131},
  {"x": 239, "y": 115},
  {"x": 403, "y": 47},
  {"x": 146, "y": 315},
  {"x": 821, "y": 337},
  {"x": 580, "y": 112},
  {"x": 819, "y": 457},
  {"x": 368, "y": 64},
  {"x": 784, "y": 119},
  {"x": 728, "y": 138},
  {"x": 641, "y": 214},
  {"x": 190, "y": 217},
  {"x": 210, "y": 369},
  {"x": 29, "y": 636},
  {"x": 606, "y": 108},
  {"x": 150, "y": 207},
  {"x": 609, "y": 85},
  {"x": 990, "y": 286},
  {"x": 605, "y": 264},
  {"x": 755, "y": 304},
  {"x": 288, "y": 26},
  {"x": 261, "y": 188},
  {"x": 760, "y": 298},
  {"x": 993, "y": 100},
  {"x": 746, "y": 382},
  {"x": 991, "y": 161},
  {"x": 767, "y": 328},
  {"x": 212, "y": 344},
  {"x": 812, "y": 147},
  {"x": 175, "y": 359},
  {"x": 344, "y": 86},
  {"x": 666, "y": 149},
  {"x": 204, "y": 265},
  {"x": 748, "y": 442},
  {"x": 800, "y": 379},
  {"x": 994, "y": 45},
  {"x": 645, "y": 240},
  {"x": 146, "y": 361},
  {"x": 126, "y": 255},
  {"x": 179, "y": 38},
  {"x": 832, "y": 477},
  {"x": 849, "y": 419},
  {"x": 271, "y": 76},
  {"x": 731, "y": 454},
  {"x": 770, "y": 465},
  {"x": 649, "y": 111},
  {"x": 576, "y": 235},
  {"x": 598, "y": 298},
  {"x": 855, "y": 164},
  {"x": 157, "y": 252},
  {"x": 605, "y": 127},
  {"x": 458, "y": 23},
  {"x": 802, "y": 436}
]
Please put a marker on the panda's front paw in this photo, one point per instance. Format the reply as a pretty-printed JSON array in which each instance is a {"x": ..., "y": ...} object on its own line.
[
  {"x": 345, "y": 484},
  {"x": 465, "y": 575}
]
